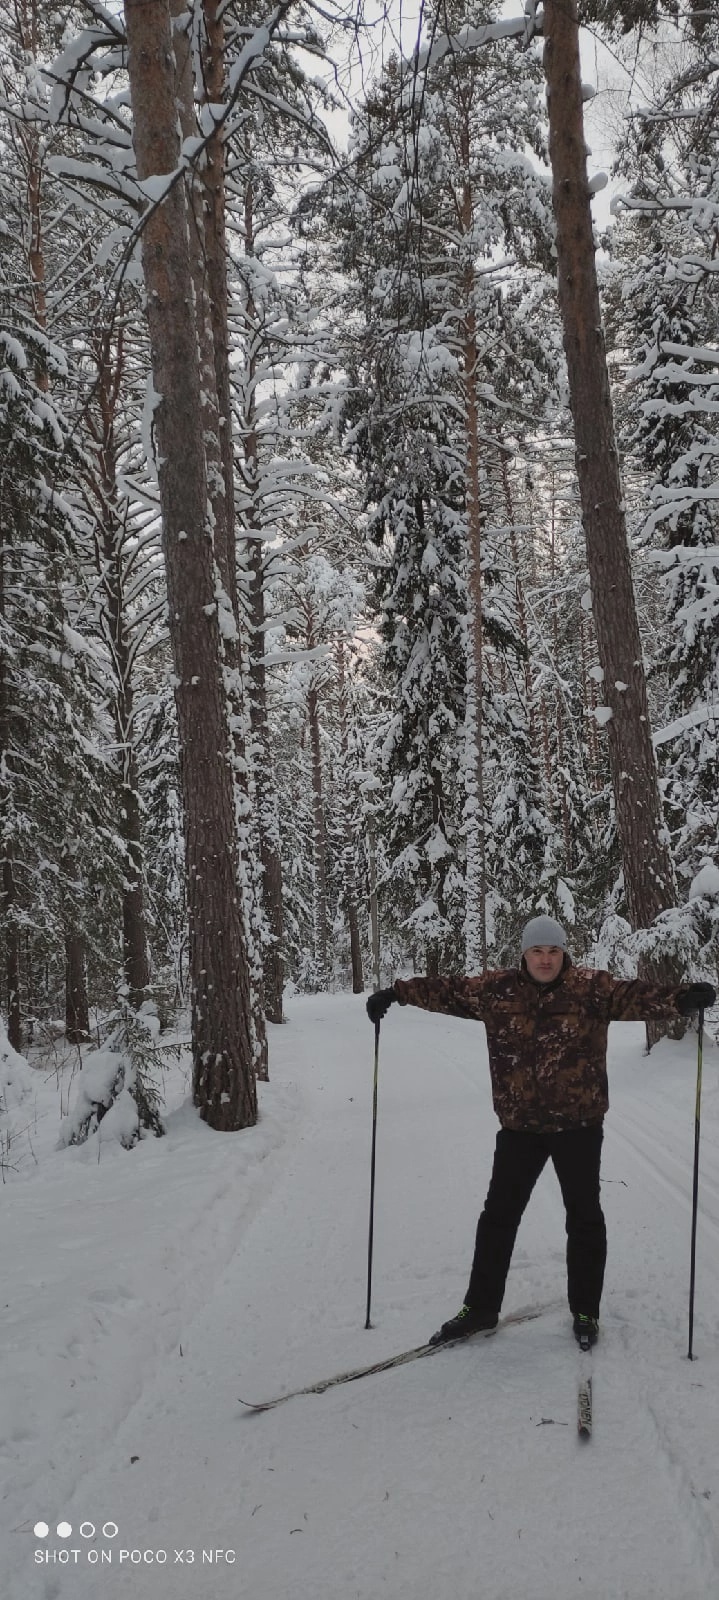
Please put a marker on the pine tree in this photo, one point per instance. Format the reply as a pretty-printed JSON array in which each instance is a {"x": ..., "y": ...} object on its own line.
[
  {"x": 445, "y": 186},
  {"x": 649, "y": 878},
  {"x": 224, "y": 1086},
  {"x": 53, "y": 790},
  {"x": 665, "y": 324}
]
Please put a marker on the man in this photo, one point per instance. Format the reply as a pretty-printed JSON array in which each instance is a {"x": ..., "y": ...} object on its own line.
[{"x": 547, "y": 1023}]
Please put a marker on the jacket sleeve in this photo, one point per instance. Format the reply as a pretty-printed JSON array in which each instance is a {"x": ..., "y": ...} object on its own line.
[
  {"x": 456, "y": 997},
  {"x": 633, "y": 1000}
]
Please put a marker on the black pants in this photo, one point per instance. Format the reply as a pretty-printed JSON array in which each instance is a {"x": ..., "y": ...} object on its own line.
[{"x": 518, "y": 1160}]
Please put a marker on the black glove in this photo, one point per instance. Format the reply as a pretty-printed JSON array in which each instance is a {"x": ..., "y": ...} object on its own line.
[
  {"x": 379, "y": 1003},
  {"x": 696, "y": 997}
]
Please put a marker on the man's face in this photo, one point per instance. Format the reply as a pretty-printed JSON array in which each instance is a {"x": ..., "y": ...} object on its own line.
[{"x": 544, "y": 962}]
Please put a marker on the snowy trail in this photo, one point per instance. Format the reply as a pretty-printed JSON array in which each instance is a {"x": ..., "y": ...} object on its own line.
[{"x": 462, "y": 1475}]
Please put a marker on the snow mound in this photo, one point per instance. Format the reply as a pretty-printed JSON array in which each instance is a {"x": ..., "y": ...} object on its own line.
[
  {"x": 706, "y": 881},
  {"x": 94, "y": 1087},
  {"x": 15, "y": 1074}
]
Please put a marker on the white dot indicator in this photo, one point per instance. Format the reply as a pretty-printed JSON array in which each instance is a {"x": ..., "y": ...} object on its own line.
[
  {"x": 64, "y": 1529},
  {"x": 41, "y": 1530}
]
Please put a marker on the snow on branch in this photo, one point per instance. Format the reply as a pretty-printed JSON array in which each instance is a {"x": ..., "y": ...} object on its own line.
[
  {"x": 281, "y": 658},
  {"x": 690, "y": 352},
  {"x": 121, "y": 188},
  {"x": 76, "y": 55},
  {"x": 692, "y": 719},
  {"x": 671, "y": 373},
  {"x": 686, "y": 556},
  {"x": 68, "y": 73},
  {"x": 701, "y": 212},
  {"x": 470, "y": 38}
]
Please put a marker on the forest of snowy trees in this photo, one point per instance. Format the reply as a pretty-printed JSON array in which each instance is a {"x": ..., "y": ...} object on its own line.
[{"x": 359, "y": 509}]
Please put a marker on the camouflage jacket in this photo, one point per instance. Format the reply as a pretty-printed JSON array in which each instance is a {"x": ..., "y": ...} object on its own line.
[{"x": 547, "y": 1042}]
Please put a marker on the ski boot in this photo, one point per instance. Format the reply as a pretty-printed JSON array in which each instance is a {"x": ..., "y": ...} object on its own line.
[
  {"x": 586, "y": 1330},
  {"x": 471, "y": 1319}
]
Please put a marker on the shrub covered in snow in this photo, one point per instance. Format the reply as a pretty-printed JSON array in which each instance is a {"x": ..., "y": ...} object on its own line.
[
  {"x": 15, "y": 1092},
  {"x": 118, "y": 1091}
]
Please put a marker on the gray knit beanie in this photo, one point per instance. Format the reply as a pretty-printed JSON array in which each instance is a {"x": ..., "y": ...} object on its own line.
[{"x": 543, "y": 930}]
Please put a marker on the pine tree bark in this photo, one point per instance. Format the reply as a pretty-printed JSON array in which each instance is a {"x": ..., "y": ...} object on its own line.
[
  {"x": 12, "y": 955},
  {"x": 648, "y": 869},
  {"x": 558, "y": 700},
  {"x": 589, "y": 702},
  {"x": 349, "y": 874},
  {"x": 267, "y": 813},
  {"x": 504, "y": 459},
  {"x": 477, "y": 840},
  {"x": 215, "y": 250},
  {"x": 223, "y": 1077},
  {"x": 27, "y": 17},
  {"x": 374, "y": 905},
  {"x": 109, "y": 555},
  {"x": 8, "y": 896},
  {"x": 476, "y": 913},
  {"x": 77, "y": 1013},
  {"x": 321, "y": 922},
  {"x": 206, "y": 218}
]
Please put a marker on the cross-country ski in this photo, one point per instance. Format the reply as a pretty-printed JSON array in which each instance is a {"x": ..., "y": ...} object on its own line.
[
  {"x": 401, "y": 1360},
  {"x": 584, "y": 1407}
]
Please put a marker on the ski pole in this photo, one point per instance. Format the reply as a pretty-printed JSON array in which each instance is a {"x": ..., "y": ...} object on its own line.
[
  {"x": 368, "y": 1324},
  {"x": 695, "y": 1191}
]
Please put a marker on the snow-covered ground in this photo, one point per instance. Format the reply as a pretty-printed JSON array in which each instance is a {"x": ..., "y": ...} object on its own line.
[{"x": 144, "y": 1292}]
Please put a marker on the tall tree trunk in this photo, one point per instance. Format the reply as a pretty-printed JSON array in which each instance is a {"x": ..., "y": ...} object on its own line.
[
  {"x": 349, "y": 853},
  {"x": 646, "y": 859},
  {"x": 558, "y": 698},
  {"x": 251, "y": 772},
  {"x": 504, "y": 459},
  {"x": 589, "y": 701},
  {"x": 267, "y": 811},
  {"x": 353, "y": 924},
  {"x": 374, "y": 904},
  {"x": 269, "y": 983},
  {"x": 10, "y": 928},
  {"x": 436, "y": 950},
  {"x": 476, "y": 918},
  {"x": 77, "y": 1014},
  {"x": 223, "y": 1077},
  {"x": 27, "y": 15},
  {"x": 474, "y": 810},
  {"x": 205, "y": 220},
  {"x": 134, "y": 936},
  {"x": 215, "y": 245},
  {"x": 110, "y": 562},
  {"x": 12, "y": 955},
  {"x": 546, "y": 750},
  {"x": 320, "y": 906},
  {"x": 27, "y": 20}
]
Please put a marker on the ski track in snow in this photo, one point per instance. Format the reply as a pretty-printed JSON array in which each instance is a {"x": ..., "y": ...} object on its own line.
[
  {"x": 652, "y": 1143},
  {"x": 459, "y": 1476}
]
